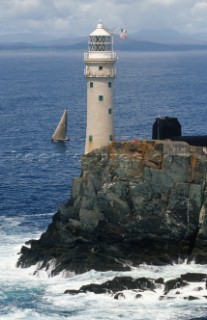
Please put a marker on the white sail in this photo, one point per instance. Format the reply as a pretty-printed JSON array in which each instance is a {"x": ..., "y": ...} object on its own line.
[{"x": 61, "y": 130}]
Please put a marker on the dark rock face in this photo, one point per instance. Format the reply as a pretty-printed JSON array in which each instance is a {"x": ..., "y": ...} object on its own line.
[{"x": 134, "y": 202}]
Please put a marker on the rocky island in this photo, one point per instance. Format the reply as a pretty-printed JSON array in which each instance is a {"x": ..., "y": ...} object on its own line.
[{"x": 134, "y": 202}]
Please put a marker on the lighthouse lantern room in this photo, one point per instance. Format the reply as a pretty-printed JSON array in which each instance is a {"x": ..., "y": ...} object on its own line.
[{"x": 100, "y": 74}]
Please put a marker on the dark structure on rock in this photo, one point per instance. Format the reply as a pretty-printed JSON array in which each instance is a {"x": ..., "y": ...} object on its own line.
[
  {"x": 134, "y": 202},
  {"x": 166, "y": 128},
  {"x": 170, "y": 128}
]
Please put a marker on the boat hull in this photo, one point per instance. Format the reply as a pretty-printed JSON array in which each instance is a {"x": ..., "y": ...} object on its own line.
[{"x": 66, "y": 139}]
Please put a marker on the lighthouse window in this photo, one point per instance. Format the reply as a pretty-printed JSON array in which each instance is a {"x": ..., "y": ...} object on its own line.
[
  {"x": 111, "y": 137},
  {"x": 100, "y": 98},
  {"x": 91, "y": 84},
  {"x": 100, "y": 43},
  {"x": 100, "y": 68},
  {"x": 110, "y": 111},
  {"x": 90, "y": 138},
  {"x": 109, "y": 84}
]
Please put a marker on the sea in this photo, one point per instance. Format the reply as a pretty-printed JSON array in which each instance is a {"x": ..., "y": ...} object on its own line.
[{"x": 36, "y": 175}]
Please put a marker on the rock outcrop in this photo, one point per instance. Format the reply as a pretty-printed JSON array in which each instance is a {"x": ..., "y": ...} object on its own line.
[
  {"x": 115, "y": 285},
  {"x": 134, "y": 202},
  {"x": 119, "y": 287}
]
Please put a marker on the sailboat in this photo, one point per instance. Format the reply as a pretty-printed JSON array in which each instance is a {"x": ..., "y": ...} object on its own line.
[{"x": 60, "y": 133}]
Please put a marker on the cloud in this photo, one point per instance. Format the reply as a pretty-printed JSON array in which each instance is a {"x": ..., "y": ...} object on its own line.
[
  {"x": 163, "y": 2},
  {"x": 79, "y": 17},
  {"x": 19, "y": 8},
  {"x": 200, "y": 5}
]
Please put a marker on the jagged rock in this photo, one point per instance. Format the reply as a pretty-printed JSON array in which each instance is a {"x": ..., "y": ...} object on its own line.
[
  {"x": 116, "y": 285},
  {"x": 198, "y": 289},
  {"x": 193, "y": 277},
  {"x": 72, "y": 291},
  {"x": 191, "y": 298},
  {"x": 134, "y": 202},
  {"x": 174, "y": 284},
  {"x": 166, "y": 298},
  {"x": 119, "y": 295},
  {"x": 159, "y": 280}
]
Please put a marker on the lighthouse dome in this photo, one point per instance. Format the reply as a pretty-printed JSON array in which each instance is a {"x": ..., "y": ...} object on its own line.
[
  {"x": 100, "y": 39},
  {"x": 100, "y": 31}
]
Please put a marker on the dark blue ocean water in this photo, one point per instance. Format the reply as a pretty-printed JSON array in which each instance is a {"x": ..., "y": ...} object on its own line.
[
  {"x": 37, "y": 86},
  {"x": 36, "y": 174}
]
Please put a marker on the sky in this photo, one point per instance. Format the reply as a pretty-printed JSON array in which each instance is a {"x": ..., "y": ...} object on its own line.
[{"x": 59, "y": 18}]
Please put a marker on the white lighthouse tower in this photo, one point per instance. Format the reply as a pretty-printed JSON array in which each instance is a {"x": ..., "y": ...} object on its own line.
[{"x": 100, "y": 74}]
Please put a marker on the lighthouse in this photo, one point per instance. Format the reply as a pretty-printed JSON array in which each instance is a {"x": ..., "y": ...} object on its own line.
[{"x": 100, "y": 73}]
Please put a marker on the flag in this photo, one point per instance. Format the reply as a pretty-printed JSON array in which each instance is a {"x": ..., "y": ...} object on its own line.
[{"x": 123, "y": 34}]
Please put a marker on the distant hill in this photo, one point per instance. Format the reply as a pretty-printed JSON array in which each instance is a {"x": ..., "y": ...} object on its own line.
[
  {"x": 141, "y": 45},
  {"x": 26, "y": 38},
  {"x": 169, "y": 36},
  {"x": 143, "y": 40}
]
